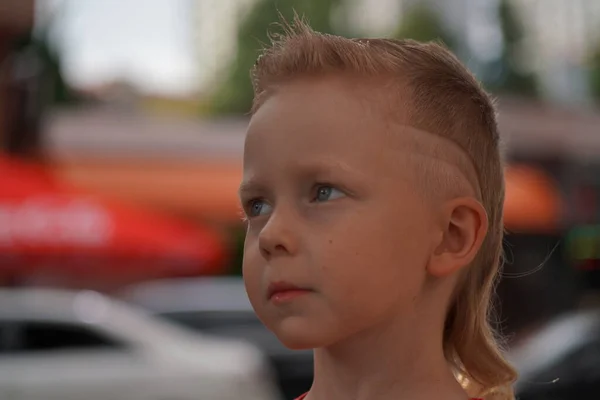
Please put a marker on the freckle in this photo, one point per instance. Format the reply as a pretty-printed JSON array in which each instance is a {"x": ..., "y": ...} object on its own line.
[{"x": 330, "y": 241}]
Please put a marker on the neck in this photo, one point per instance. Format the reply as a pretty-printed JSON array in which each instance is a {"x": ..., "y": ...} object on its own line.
[{"x": 393, "y": 360}]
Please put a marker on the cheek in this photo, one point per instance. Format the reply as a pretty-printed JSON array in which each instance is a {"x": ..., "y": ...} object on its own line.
[
  {"x": 252, "y": 273},
  {"x": 374, "y": 263}
]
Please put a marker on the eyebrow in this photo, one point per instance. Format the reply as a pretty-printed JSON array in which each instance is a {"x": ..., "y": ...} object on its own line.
[
  {"x": 326, "y": 164},
  {"x": 302, "y": 168},
  {"x": 250, "y": 186}
]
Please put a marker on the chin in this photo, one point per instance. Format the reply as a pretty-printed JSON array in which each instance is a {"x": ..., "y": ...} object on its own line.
[
  {"x": 298, "y": 343},
  {"x": 296, "y": 334}
]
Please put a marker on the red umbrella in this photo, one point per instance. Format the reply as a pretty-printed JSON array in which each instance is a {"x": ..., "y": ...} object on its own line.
[{"x": 45, "y": 226}]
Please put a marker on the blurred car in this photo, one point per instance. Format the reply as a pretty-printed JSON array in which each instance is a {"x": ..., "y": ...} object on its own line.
[
  {"x": 63, "y": 345},
  {"x": 220, "y": 306},
  {"x": 561, "y": 360}
]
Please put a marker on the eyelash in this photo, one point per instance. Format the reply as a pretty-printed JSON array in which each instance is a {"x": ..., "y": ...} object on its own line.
[
  {"x": 314, "y": 192},
  {"x": 253, "y": 201},
  {"x": 242, "y": 215},
  {"x": 247, "y": 208}
]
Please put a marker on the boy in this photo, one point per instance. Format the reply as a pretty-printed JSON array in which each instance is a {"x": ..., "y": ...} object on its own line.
[{"x": 373, "y": 191}]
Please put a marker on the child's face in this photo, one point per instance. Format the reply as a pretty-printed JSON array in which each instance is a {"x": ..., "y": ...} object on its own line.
[{"x": 332, "y": 208}]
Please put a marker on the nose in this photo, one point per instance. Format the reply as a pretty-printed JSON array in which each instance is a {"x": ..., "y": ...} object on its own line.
[{"x": 277, "y": 237}]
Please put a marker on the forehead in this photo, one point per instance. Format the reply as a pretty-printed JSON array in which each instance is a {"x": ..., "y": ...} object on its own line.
[
  {"x": 330, "y": 116},
  {"x": 306, "y": 122}
]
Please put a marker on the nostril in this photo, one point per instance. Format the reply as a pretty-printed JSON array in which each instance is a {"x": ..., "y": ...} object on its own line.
[
  {"x": 265, "y": 253},
  {"x": 279, "y": 247},
  {"x": 268, "y": 252}
]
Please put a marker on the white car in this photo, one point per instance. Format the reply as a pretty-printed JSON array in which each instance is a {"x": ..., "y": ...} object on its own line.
[
  {"x": 63, "y": 345},
  {"x": 219, "y": 306}
]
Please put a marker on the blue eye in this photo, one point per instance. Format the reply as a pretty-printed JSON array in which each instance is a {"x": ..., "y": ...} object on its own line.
[
  {"x": 326, "y": 193},
  {"x": 258, "y": 207}
]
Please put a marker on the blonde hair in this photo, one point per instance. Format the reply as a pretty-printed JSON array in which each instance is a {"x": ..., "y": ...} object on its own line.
[{"x": 444, "y": 99}]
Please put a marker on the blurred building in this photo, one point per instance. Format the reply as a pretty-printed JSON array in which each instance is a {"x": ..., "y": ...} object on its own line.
[
  {"x": 193, "y": 168},
  {"x": 16, "y": 18}
]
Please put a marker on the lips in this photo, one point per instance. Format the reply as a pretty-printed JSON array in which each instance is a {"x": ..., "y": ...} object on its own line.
[{"x": 283, "y": 290}]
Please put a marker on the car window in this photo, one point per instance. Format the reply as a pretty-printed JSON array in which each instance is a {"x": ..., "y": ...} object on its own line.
[
  {"x": 206, "y": 320},
  {"x": 8, "y": 337},
  {"x": 50, "y": 336},
  {"x": 3, "y": 338}
]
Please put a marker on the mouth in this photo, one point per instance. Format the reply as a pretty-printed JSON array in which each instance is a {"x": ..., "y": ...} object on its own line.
[{"x": 280, "y": 292}]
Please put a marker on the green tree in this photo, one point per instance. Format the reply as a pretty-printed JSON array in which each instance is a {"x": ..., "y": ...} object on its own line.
[
  {"x": 506, "y": 75},
  {"x": 235, "y": 95},
  {"x": 39, "y": 49},
  {"x": 595, "y": 73},
  {"x": 423, "y": 24}
]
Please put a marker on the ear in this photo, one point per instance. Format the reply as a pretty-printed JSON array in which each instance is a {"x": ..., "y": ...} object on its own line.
[{"x": 464, "y": 225}]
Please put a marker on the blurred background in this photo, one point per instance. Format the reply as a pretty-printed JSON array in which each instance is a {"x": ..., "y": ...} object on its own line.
[{"x": 121, "y": 135}]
